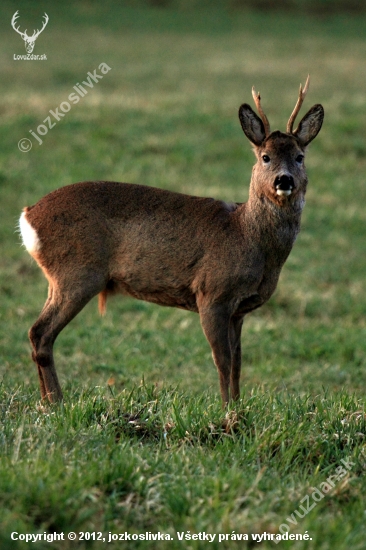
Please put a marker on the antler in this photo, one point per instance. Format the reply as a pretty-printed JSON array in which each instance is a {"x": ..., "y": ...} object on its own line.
[
  {"x": 37, "y": 33},
  {"x": 295, "y": 112},
  {"x": 257, "y": 101},
  {"x": 13, "y": 21}
]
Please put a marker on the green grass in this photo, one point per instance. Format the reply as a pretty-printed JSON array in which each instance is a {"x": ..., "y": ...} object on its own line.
[
  {"x": 161, "y": 460},
  {"x": 141, "y": 442}
]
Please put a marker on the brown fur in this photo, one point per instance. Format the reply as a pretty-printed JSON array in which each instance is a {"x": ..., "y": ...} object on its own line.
[{"x": 217, "y": 259}]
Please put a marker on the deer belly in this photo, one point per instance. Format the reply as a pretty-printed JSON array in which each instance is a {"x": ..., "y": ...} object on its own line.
[{"x": 154, "y": 291}]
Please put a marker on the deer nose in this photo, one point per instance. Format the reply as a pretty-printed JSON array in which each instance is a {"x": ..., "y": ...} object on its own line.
[{"x": 284, "y": 184}]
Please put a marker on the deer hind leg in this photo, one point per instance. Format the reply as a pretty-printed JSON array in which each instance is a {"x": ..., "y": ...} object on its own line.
[
  {"x": 33, "y": 336},
  {"x": 236, "y": 324},
  {"x": 215, "y": 324},
  {"x": 64, "y": 302}
]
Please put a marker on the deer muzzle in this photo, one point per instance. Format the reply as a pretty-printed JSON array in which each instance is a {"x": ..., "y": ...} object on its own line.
[{"x": 284, "y": 185}]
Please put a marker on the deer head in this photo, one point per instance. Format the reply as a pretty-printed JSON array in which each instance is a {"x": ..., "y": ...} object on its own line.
[
  {"x": 28, "y": 40},
  {"x": 279, "y": 174}
]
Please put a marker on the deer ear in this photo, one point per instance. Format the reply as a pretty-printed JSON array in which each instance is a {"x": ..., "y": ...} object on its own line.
[
  {"x": 309, "y": 126},
  {"x": 252, "y": 125}
]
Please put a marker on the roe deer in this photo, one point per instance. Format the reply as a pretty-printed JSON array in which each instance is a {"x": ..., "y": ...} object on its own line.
[{"x": 221, "y": 260}]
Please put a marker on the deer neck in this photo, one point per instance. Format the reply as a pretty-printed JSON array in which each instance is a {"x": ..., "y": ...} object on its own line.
[{"x": 274, "y": 225}]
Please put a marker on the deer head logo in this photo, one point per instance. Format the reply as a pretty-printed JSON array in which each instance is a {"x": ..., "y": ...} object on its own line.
[{"x": 29, "y": 41}]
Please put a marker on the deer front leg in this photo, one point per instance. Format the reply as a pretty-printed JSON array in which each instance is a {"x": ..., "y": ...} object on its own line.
[
  {"x": 236, "y": 324},
  {"x": 215, "y": 321}
]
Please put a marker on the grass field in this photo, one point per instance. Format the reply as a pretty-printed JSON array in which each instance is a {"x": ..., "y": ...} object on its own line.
[{"x": 141, "y": 443}]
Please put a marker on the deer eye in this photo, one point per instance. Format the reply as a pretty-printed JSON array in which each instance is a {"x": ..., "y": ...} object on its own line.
[
  {"x": 265, "y": 158},
  {"x": 299, "y": 158}
]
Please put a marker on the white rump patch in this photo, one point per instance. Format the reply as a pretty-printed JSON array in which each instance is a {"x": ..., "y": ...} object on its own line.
[{"x": 29, "y": 235}]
